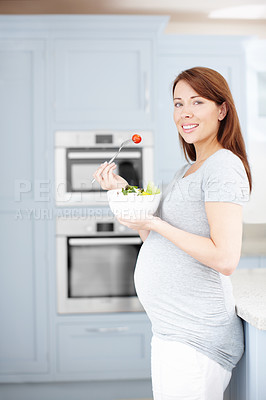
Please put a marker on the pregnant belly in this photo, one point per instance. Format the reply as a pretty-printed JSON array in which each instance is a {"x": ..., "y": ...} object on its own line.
[
  {"x": 167, "y": 279},
  {"x": 155, "y": 269}
]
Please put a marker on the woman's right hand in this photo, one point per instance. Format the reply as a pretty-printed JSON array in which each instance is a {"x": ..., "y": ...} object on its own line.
[{"x": 106, "y": 177}]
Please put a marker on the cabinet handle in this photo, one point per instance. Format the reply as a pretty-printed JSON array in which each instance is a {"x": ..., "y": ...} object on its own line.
[
  {"x": 107, "y": 330},
  {"x": 146, "y": 93}
]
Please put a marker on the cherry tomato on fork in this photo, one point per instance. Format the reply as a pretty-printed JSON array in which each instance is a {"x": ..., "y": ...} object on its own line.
[{"x": 136, "y": 138}]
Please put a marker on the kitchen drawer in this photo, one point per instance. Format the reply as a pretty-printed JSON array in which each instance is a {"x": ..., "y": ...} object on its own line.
[{"x": 105, "y": 351}]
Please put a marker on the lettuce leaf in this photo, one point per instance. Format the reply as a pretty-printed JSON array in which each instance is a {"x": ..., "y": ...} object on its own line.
[{"x": 152, "y": 189}]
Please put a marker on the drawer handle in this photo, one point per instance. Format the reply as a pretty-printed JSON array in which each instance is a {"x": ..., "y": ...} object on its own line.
[{"x": 107, "y": 330}]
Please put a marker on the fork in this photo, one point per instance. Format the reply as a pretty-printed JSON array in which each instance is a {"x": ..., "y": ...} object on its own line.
[{"x": 116, "y": 154}]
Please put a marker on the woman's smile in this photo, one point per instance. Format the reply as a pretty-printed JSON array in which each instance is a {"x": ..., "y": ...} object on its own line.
[{"x": 189, "y": 127}]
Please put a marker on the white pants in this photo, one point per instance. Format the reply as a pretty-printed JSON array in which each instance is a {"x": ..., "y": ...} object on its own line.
[{"x": 180, "y": 372}]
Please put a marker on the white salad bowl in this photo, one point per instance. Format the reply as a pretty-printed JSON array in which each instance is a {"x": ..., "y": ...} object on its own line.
[{"x": 132, "y": 205}]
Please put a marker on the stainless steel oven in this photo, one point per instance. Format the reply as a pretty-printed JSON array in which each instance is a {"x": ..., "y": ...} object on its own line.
[
  {"x": 79, "y": 153},
  {"x": 96, "y": 259}
]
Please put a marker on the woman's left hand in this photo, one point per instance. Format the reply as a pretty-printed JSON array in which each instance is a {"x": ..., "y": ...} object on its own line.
[{"x": 147, "y": 223}]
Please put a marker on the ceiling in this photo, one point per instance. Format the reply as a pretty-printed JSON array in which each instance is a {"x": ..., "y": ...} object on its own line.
[{"x": 189, "y": 10}]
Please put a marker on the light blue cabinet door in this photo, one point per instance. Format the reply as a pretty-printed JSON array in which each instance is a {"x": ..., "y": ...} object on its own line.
[
  {"x": 255, "y": 363},
  {"x": 248, "y": 380},
  {"x": 104, "y": 350},
  {"x": 23, "y": 286},
  {"x": 105, "y": 83}
]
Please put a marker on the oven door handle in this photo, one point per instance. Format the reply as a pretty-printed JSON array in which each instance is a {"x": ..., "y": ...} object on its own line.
[
  {"x": 97, "y": 155},
  {"x": 107, "y": 329},
  {"x": 103, "y": 241}
]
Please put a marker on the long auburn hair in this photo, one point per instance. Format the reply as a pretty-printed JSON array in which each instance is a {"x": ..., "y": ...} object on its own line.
[{"x": 211, "y": 85}]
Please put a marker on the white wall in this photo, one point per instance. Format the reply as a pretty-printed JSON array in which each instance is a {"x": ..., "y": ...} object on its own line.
[{"x": 255, "y": 210}]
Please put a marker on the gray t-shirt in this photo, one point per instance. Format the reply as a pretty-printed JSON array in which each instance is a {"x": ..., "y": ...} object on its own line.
[{"x": 186, "y": 300}]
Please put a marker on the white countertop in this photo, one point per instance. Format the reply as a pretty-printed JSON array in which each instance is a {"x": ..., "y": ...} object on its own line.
[{"x": 249, "y": 288}]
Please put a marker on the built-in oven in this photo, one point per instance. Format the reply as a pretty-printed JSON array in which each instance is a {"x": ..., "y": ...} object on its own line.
[
  {"x": 79, "y": 153},
  {"x": 96, "y": 258}
]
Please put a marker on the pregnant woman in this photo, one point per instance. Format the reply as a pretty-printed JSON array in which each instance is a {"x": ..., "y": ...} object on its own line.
[{"x": 193, "y": 245}]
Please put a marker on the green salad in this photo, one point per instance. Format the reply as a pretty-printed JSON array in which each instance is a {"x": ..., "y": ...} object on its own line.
[{"x": 151, "y": 189}]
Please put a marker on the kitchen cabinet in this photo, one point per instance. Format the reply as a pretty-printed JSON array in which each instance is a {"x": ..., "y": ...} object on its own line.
[
  {"x": 248, "y": 378},
  {"x": 250, "y": 375},
  {"x": 256, "y": 86},
  {"x": 23, "y": 283},
  {"x": 63, "y": 72},
  {"x": 103, "y": 82},
  {"x": 104, "y": 349}
]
